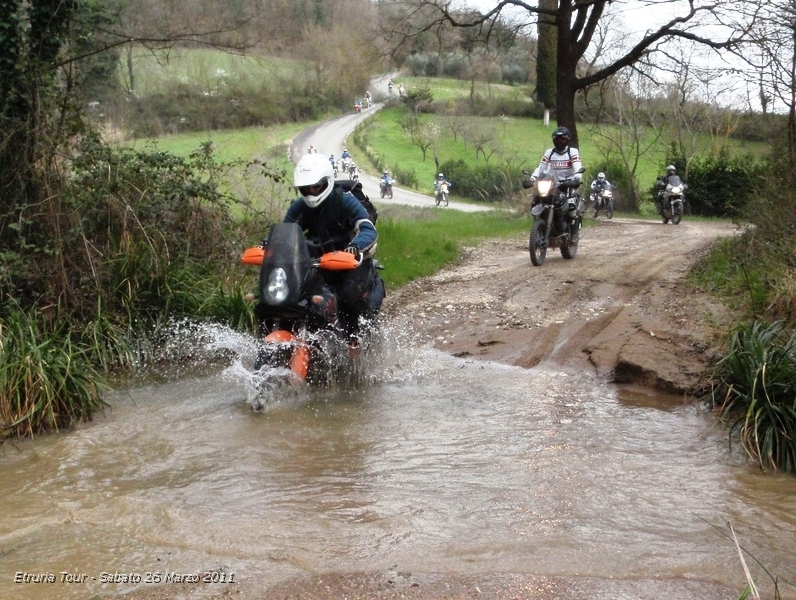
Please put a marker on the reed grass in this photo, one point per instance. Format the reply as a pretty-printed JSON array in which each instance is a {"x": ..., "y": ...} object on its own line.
[
  {"x": 757, "y": 393},
  {"x": 47, "y": 381}
]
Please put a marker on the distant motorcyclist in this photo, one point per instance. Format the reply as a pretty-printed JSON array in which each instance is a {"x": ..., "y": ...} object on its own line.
[
  {"x": 438, "y": 183},
  {"x": 671, "y": 177},
  {"x": 601, "y": 183},
  {"x": 345, "y": 153},
  {"x": 368, "y": 98},
  {"x": 565, "y": 163},
  {"x": 386, "y": 179}
]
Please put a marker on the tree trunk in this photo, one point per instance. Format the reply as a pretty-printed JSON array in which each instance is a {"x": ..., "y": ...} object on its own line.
[{"x": 565, "y": 82}]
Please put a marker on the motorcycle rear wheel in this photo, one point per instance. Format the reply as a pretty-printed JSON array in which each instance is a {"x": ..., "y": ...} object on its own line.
[
  {"x": 677, "y": 214},
  {"x": 537, "y": 245},
  {"x": 437, "y": 199}
]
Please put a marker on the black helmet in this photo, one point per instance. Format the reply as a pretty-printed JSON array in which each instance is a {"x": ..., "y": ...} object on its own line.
[{"x": 560, "y": 138}]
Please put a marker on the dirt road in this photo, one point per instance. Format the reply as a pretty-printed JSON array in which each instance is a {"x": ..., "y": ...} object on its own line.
[{"x": 621, "y": 308}]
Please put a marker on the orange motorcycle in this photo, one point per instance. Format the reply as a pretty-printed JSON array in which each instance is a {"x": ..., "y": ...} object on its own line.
[{"x": 303, "y": 331}]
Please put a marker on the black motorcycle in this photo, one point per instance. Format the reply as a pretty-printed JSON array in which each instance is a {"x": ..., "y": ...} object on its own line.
[
  {"x": 553, "y": 201},
  {"x": 303, "y": 332}
]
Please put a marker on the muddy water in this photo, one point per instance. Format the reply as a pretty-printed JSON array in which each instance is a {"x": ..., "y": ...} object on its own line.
[{"x": 439, "y": 465}]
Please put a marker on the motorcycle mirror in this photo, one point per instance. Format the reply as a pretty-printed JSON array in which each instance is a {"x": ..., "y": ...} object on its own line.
[
  {"x": 581, "y": 170},
  {"x": 527, "y": 184}
]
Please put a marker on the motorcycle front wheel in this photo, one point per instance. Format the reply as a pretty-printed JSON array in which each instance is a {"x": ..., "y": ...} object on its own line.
[
  {"x": 389, "y": 193},
  {"x": 537, "y": 245},
  {"x": 609, "y": 209},
  {"x": 677, "y": 213},
  {"x": 445, "y": 199}
]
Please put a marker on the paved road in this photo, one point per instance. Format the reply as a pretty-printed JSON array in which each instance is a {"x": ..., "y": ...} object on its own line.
[{"x": 329, "y": 138}]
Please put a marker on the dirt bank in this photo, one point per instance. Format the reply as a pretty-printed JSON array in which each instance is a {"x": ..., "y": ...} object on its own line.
[{"x": 621, "y": 308}]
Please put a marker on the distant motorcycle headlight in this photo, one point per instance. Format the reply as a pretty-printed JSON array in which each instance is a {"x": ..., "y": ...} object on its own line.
[
  {"x": 676, "y": 189},
  {"x": 277, "y": 290},
  {"x": 543, "y": 186}
]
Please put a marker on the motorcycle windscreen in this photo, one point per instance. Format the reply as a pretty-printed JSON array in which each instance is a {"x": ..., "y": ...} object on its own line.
[{"x": 285, "y": 266}]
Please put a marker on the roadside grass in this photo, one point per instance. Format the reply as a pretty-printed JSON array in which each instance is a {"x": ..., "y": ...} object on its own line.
[
  {"x": 46, "y": 380},
  {"x": 417, "y": 242}
]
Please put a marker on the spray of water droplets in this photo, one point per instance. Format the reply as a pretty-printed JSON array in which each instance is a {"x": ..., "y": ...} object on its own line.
[{"x": 391, "y": 353}]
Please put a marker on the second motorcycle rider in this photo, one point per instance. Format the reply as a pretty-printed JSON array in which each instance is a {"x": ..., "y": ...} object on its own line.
[{"x": 565, "y": 162}]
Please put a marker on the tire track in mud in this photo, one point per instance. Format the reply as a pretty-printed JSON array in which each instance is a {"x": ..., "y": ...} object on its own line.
[{"x": 621, "y": 308}]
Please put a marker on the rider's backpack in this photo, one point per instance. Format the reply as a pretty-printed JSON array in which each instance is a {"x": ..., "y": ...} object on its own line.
[{"x": 355, "y": 187}]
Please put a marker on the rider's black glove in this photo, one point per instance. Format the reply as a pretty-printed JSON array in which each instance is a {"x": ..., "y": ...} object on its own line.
[{"x": 355, "y": 251}]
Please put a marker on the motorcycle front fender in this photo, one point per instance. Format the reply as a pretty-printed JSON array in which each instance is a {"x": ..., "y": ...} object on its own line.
[{"x": 537, "y": 210}]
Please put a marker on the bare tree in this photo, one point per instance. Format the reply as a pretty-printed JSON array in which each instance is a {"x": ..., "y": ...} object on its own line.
[
  {"x": 774, "y": 36},
  {"x": 422, "y": 135},
  {"x": 576, "y": 22},
  {"x": 629, "y": 131}
]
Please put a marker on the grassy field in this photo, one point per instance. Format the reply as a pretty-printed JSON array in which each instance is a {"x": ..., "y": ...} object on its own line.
[
  {"x": 452, "y": 89},
  {"x": 206, "y": 68},
  {"x": 262, "y": 143},
  {"x": 521, "y": 140}
]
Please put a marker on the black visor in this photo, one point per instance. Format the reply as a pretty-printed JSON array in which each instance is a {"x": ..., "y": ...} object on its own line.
[{"x": 313, "y": 190}]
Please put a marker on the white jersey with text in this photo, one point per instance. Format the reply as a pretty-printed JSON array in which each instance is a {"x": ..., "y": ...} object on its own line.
[{"x": 564, "y": 164}]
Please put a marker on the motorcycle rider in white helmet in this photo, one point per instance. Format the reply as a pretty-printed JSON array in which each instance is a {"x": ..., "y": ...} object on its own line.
[
  {"x": 333, "y": 219},
  {"x": 438, "y": 182},
  {"x": 663, "y": 181},
  {"x": 597, "y": 186},
  {"x": 565, "y": 163}
]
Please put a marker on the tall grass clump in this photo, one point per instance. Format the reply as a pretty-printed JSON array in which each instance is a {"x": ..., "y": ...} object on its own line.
[
  {"x": 756, "y": 393},
  {"x": 47, "y": 381}
]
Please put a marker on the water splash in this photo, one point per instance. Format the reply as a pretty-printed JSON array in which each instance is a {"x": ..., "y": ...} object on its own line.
[{"x": 392, "y": 352}]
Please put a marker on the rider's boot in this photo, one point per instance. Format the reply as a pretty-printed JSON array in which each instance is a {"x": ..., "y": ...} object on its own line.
[{"x": 573, "y": 230}]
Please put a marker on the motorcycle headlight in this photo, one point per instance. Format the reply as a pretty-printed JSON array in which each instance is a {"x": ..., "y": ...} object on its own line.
[
  {"x": 676, "y": 189},
  {"x": 543, "y": 186},
  {"x": 277, "y": 290}
]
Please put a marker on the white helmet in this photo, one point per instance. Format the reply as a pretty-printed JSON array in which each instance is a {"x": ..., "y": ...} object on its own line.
[
  {"x": 314, "y": 170},
  {"x": 440, "y": 176},
  {"x": 600, "y": 176}
]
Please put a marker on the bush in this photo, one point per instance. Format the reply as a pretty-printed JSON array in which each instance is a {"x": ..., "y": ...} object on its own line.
[
  {"x": 483, "y": 182},
  {"x": 722, "y": 186}
]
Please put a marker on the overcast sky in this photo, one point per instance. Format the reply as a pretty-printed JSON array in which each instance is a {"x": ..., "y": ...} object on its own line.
[{"x": 633, "y": 18}]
